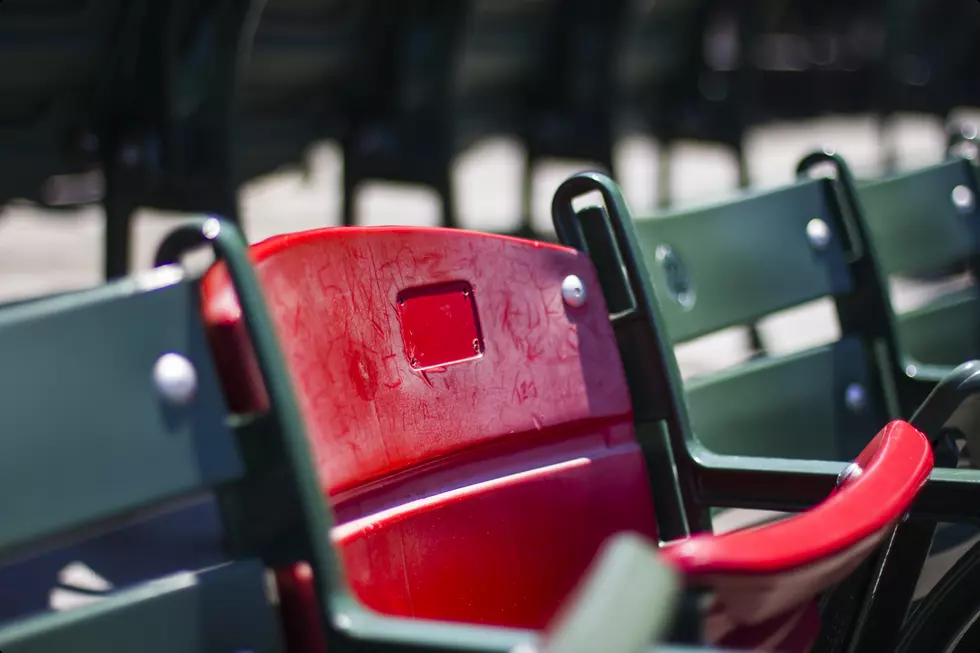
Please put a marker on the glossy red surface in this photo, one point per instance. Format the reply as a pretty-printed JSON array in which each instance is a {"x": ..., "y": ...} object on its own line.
[
  {"x": 474, "y": 435},
  {"x": 472, "y": 481},
  {"x": 440, "y": 325},
  {"x": 760, "y": 575}
]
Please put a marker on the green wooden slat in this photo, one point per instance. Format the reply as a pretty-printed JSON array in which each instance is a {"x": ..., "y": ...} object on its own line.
[
  {"x": 943, "y": 332},
  {"x": 80, "y": 401},
  {"x": 786, "y": 407},
  {"x": 221, "y": 610},
  {"x": 745, "y": 259},
  {"x": 913, "y": 221}
]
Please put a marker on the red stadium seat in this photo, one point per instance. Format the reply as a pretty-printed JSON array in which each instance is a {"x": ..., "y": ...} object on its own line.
[{"x": 474, "y": 433}]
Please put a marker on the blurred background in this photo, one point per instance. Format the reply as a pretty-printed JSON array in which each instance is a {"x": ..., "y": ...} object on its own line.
[{"x": 117, "y": 116}]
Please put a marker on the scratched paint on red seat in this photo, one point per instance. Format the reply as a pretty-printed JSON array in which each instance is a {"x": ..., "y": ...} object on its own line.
[{"x": 473, "y": 431}]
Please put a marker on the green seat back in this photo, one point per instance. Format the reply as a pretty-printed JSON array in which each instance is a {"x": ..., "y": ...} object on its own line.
[
  {"x": 725, "y": 265},
  {"x": 91, "y": 441},
  {"x": 925, "y": 220}
]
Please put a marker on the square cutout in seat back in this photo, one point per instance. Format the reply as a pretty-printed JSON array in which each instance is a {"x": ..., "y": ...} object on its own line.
[{"x": 440, "y": 325}]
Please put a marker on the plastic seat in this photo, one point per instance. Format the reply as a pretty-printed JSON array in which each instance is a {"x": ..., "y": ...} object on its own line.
[
  {"x": 471, "y": 420},
  {"x": 464, "y": 418}
]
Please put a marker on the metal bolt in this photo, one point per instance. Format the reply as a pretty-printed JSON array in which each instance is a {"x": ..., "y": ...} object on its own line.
[
  {"x": 818, "y": 233},
  {"x": 573, "y": 291},
  {"x": 849, "y": 473},
  {"x": 963, "y": 199},
  {"x": 524, "y": 647},
  {"x": 211, "y": 228},
  {"x": 676, "y": 277},
  {"x": 343, "y": 621},
  {"x": 175, "y": 379},
  {"x": 855, "y": 397}
]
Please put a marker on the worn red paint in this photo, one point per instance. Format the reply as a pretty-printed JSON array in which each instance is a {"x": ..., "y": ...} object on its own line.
[
  {"x": 440, "y": 325},
  {"x": 474, "y": 436},
  {"x": 479, "y": 489}
]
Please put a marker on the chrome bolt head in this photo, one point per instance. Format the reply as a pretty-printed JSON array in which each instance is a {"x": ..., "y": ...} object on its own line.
[
  {"x": 848, "y": 474},
  {"x": 818, "y": 233},
  {"x": 963, "y": 199},
  {"x": 573, "y": 291},
  {"x": 175, "y": 379},
  {"x": 855, "y": 397}
]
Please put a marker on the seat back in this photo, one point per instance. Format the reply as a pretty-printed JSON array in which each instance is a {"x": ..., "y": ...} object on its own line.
[
  {"x": 733, "y": 263},
  {"x": 468, "y": 413},
  {"x": 928, "y": 220},
  {"x": 113, "y": 412}
]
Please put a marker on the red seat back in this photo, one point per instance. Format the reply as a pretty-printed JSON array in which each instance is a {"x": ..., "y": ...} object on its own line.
[{"x": 473, "y": 430}]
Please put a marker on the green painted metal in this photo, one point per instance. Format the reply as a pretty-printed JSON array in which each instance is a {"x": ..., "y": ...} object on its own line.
[
  {"x": 922, "y": 220},
  {"x": 223, "y": 609},
  {"x": 706, "y": 477},
  {"x": 737, "y": 475},
  {"x": 914, "y": 222},
  {"x": 788, "y": 407},
  {"x": 81, "y": 398},
  {"x": 92, "y": 441},
  {"x": 944, "y": 332},
  {"x": 744, "y": 259}
]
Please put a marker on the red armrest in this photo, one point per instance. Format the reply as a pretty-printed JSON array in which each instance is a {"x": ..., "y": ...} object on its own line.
[{"x": 760, "y": 573}]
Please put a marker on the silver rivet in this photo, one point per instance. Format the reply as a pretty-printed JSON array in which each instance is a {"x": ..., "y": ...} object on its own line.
[
  {"x": 524, "y": 647},
  {"x": 911, "y": 371},
  {"x": 855, "y": 397},
  {"x": 573, "y": 291},
  {"x": 175, "y": 378},
  {"x": 818, "y": 233},
  {"x": 849, "y": 473},
  {"x": 963, "y": 199},
  {"x": 343, "y": 621},
  {"x": 211, "y": 228},
  {"x": 676, "y": 276}
]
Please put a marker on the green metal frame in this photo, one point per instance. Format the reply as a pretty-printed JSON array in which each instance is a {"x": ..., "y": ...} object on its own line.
[
  {"x": 916, "y": 225},
  {"x": 865, "y": 612},
  {"x": 705, "y": 477},
  {"x": 725, "y": 265}
]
